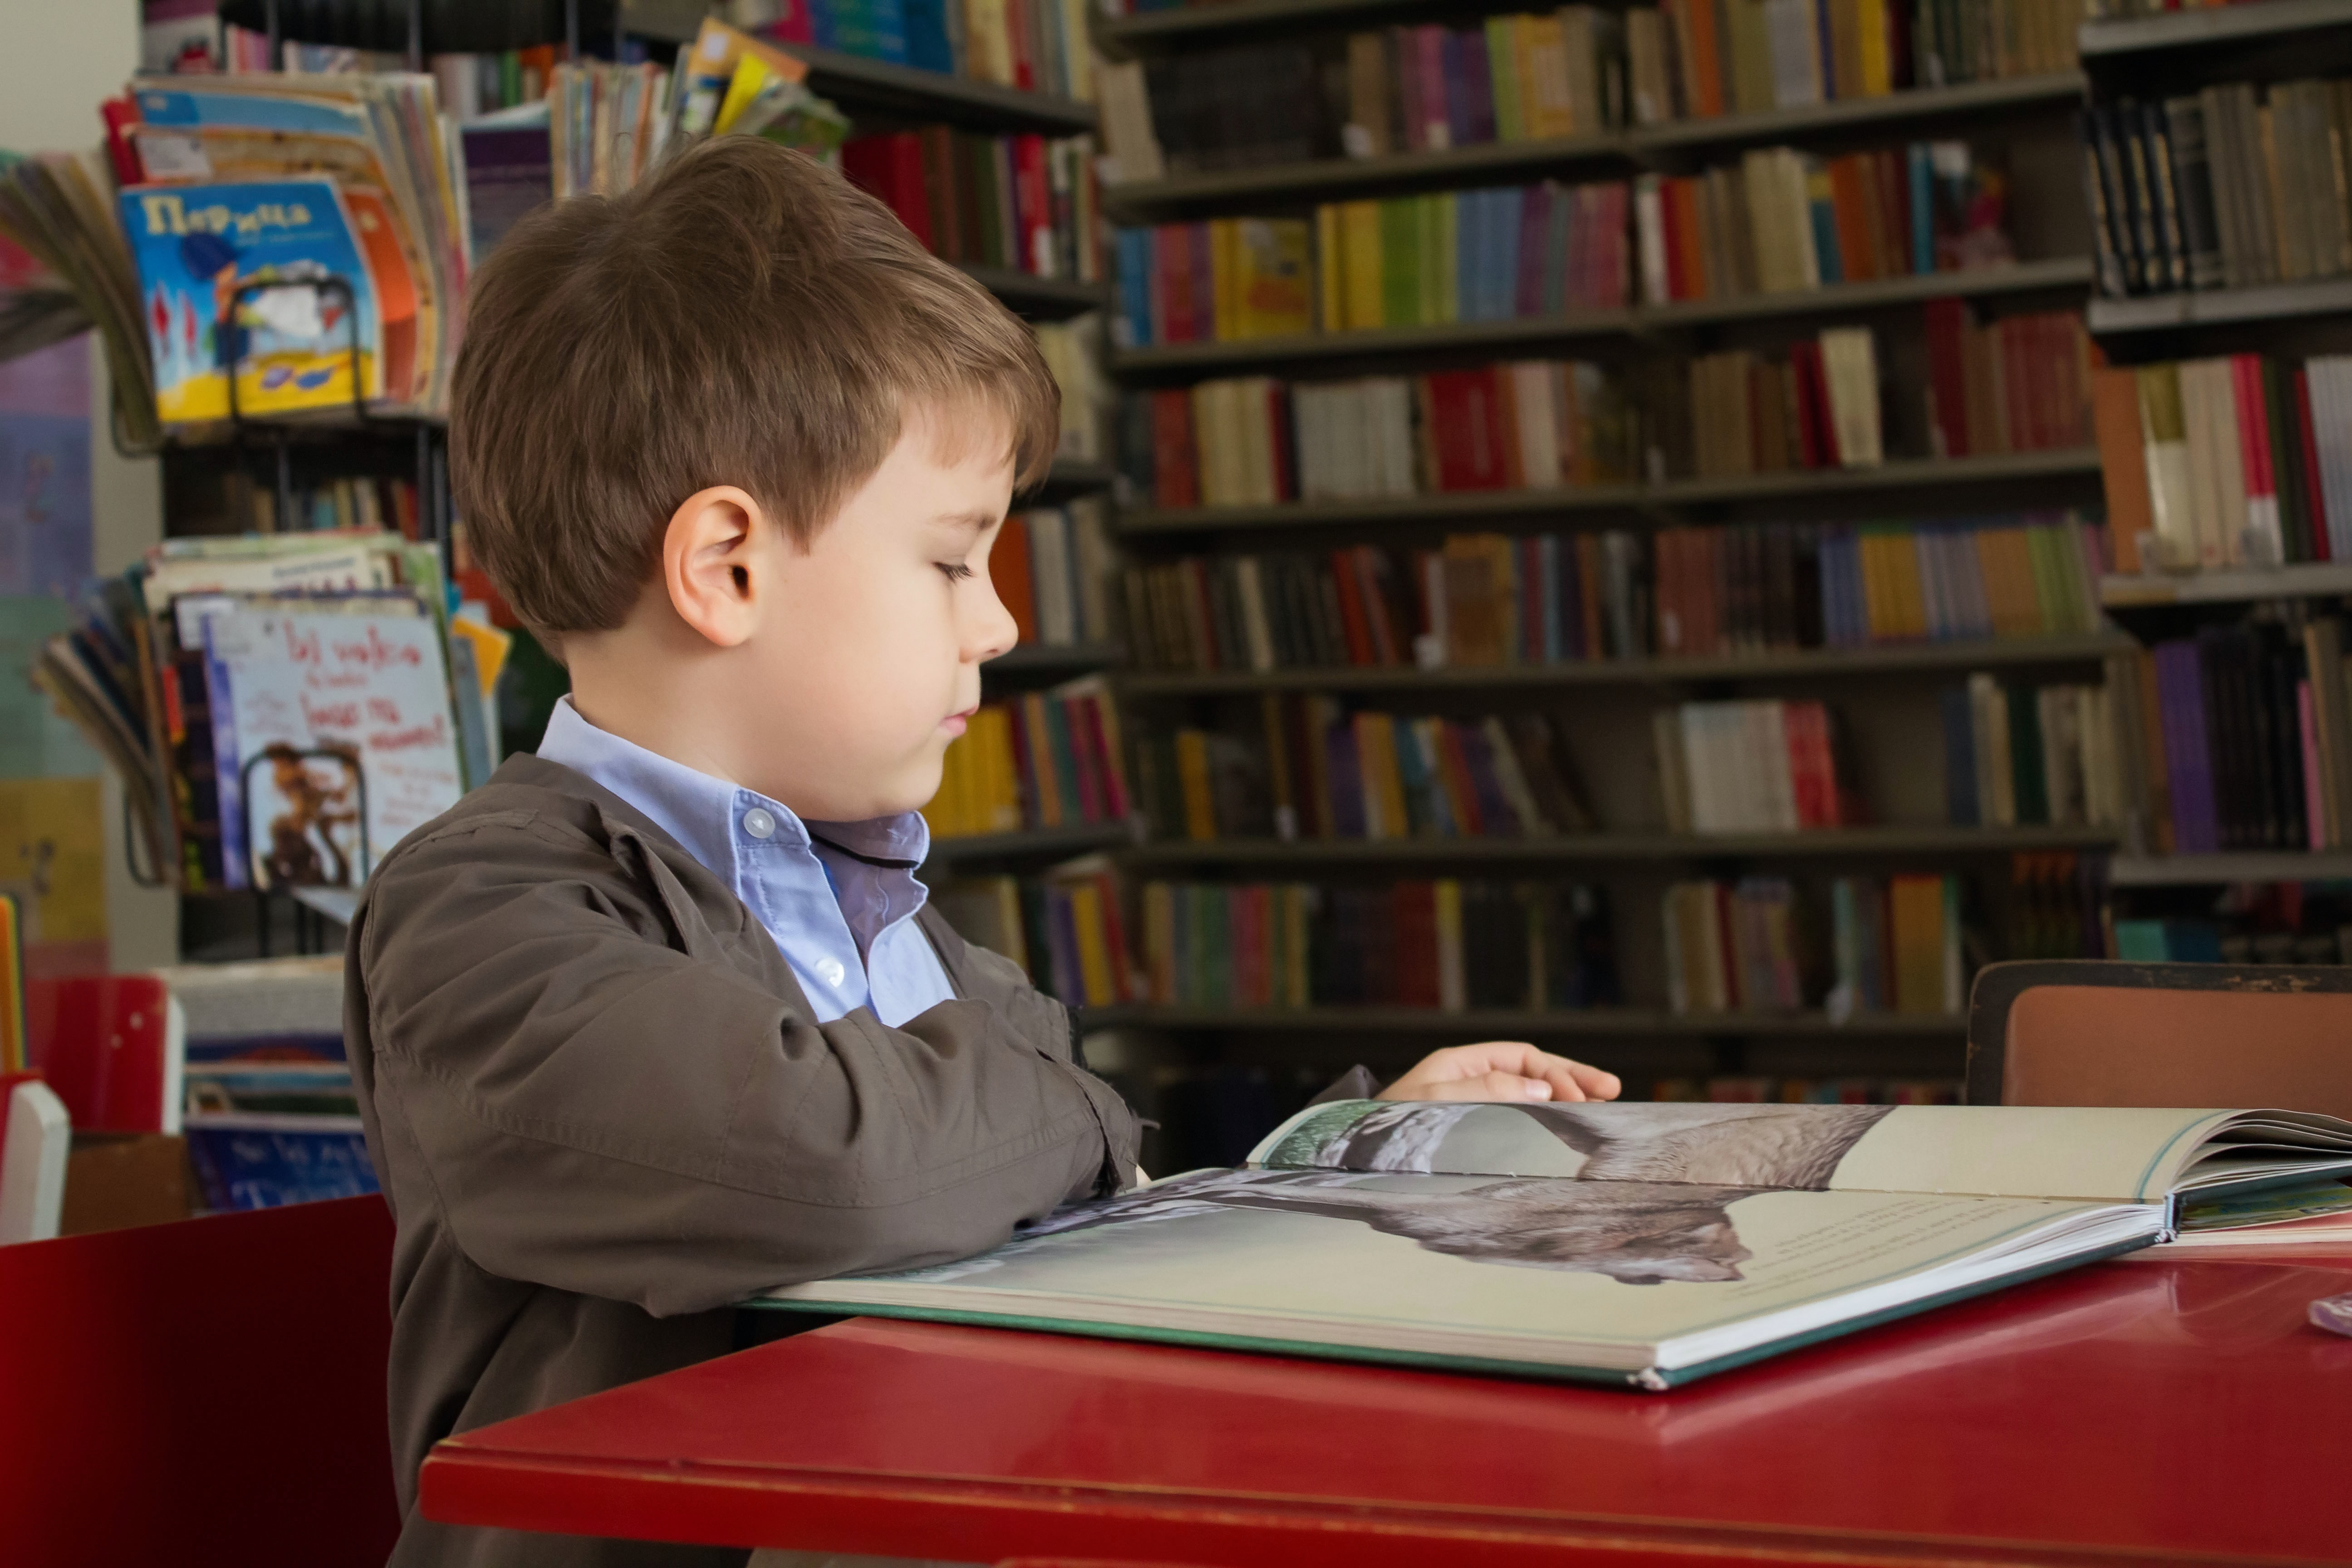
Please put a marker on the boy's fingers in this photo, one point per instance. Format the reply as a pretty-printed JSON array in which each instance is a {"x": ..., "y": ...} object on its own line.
[{"x": 1497, "y": 1085}]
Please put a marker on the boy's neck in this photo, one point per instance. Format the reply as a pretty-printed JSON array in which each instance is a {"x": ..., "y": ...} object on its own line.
[{"x": 661, "y": 700}]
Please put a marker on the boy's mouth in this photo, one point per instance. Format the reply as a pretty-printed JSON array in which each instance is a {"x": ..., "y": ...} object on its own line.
[{"x": 954, "y": 723}]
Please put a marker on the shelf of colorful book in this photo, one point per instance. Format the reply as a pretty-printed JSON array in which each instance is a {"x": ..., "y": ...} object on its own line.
[
  {"x": 1026, "y": 294},
  {"x": 1326, "y": 179},
  {"x": 1054, "y": 658},
  {"x": 2273, "y": 302},
  {"x": 2064, "y": 272},
  {"x": 1029, "y": 844},
  {"x": 2219, "y": 870},
  {"x": 1589, "y": 847},
  {"x": 2226, "y": 587},
  {"x": 1492, "y": 1023},
  {"x": 1825, "y": 663},
  {"x": 2194, "y": 26},
  {"x": 1923, "y": 474}
]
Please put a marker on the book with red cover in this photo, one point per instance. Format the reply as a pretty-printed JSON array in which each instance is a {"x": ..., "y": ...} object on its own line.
[
  {"x": 1175, "y": 474},
  {"x": 1008, "y": 572},
  {"x": 1467, "y": 411},
  {"x": 1351, "y": 611},
  {"x": 2317, "y": 504},
  {"x": 1034, "y": 203},
  {"x": 1946, "y": 322}
]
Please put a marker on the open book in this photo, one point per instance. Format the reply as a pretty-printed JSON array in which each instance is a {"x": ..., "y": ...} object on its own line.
[{"x": 1648, "y": 1243}]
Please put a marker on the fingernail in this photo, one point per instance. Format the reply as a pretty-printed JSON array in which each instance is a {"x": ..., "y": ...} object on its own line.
[{"x": 1539, "y": 1090}]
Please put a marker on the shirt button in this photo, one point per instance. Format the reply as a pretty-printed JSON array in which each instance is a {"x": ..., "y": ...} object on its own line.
[
  {"x": 831, "y": 971},
  {"x": 759, "y": 823}
]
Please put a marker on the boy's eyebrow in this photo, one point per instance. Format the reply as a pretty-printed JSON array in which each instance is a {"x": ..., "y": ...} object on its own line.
[{"x": 975, "y": 522}]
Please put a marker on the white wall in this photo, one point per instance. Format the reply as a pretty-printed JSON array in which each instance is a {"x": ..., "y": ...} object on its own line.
[{"x": 57, "y": 60}]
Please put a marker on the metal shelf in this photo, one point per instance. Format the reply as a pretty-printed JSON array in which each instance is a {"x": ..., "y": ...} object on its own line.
[
  {"x": 1809, "y": 663},
  {"x": 2272, "y": 302},
  {"x": 2202, "y": 25},
  {"x": 1508, "y": 1023},
  {"x": 1594, "y": 847},
  {"x": 2326, "y": 577},
  {"x": 1464, "y": 506},
  {"x": 1030, "y": 844},
  {"x": 2215, "y": 870},
  {"x": 1850, "y": 113},
  {"x": 1979, "y": 282}
]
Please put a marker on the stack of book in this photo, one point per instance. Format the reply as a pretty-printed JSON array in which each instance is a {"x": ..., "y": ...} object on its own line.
[
  {"x": 282, "y": 708},
  {"x": 2020, "y": 384},
  {"x": 472, "y": 85},
  {"x": 1494, "y": 599},
  {"x": 1066, "y": 930},
  {"x": 2239, "y": 461},
  {"x": 1747, "y": 57},
  {"x": 1810, "y": 1091},
  {"x": 1023, "y": 203},
  {"x": 1442, "y": 945},
  {"x": 1752, "y": 767},
  {"x": 2031, "y": 755},
  {"x": 1050, "y": 567},
  {"x": 2245, "y": 739},
  {"x": 1753, "y": 946},
  {"x": 1310, "y": 768},
  {"x": 1782, "y": 220},
  {"x": 1470, "y": 256},
  {"x": 606, "y": 125},
  {"x": 1253, "y": 440},
  {"x": 1818, "y": 408},
  {"x": 1048, "y": 759},
  {"x": 2229, "y": 187}
]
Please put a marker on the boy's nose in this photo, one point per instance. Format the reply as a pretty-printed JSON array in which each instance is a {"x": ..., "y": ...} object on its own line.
[{"x": 992, "y": 629}]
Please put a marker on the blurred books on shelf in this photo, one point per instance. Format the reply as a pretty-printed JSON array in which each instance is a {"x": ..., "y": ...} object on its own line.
[
  {"x": 1444, "y": 944},
  {"x": 1025, "y": 203},
  {"x": 1049, "y": 759},
  {"x": 2017, "y": 384},
  {"x": 1870, "y": 946},
  {"x": 1050, "y": 567},
  {"x": 1067, "y": 930},
  {"x": 2026, "y": 755},
  {"x": 1753, "y": 767}
]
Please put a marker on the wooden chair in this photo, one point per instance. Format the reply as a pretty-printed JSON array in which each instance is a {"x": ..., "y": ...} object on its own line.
[
  {"x": 2190, "y": 1035},
  {"x": 209, "y": 1391}
]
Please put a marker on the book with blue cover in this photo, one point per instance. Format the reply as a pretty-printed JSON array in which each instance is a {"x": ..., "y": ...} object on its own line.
[{"x": 200, "y": 250}]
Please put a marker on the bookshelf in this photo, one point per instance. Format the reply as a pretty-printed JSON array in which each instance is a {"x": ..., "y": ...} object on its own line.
[
  {"x": 1030, "y": 845},
  {"x": 2247, "y": 586},
  {"x": 2221, "y": 870},
  {"x": 1602, "y": 709},
  {"x": 1472, "y": 854},
  {"x": 2170, "y": 312},
  {"x": 2066, "y": 275},
  {"x": 1808, "y": 665},
  {"x": 2117, "y": 39}
]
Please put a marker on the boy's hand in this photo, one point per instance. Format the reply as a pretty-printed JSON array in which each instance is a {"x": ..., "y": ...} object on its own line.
[{"x": 1501, "y": 1070}]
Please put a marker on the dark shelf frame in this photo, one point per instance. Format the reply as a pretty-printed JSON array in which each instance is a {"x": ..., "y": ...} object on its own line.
[
  {"x": 1596, "y": 848},
  {"x": 1029, "y": 844},
  {"x": 1501, "y": 1023}
]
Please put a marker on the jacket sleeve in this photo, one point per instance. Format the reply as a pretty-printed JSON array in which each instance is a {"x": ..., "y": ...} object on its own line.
[{"x": 592, "y": 1108}]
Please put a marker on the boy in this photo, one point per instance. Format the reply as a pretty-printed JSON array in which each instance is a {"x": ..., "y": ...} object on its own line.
[{"x": 660, "y": 1018}]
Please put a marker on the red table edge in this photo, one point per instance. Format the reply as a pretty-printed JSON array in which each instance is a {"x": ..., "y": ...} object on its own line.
[{"x": 700, "y": 1503}]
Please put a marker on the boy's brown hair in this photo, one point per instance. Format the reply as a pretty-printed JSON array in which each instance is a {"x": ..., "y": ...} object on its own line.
[{"x": 745, "y": 317}]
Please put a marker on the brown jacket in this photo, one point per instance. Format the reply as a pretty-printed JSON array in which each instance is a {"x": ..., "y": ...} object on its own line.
[{"x": 603, "y": 1110}]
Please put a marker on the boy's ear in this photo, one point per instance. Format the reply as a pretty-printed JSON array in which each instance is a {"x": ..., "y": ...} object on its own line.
[{"x": 708, "y": 563}]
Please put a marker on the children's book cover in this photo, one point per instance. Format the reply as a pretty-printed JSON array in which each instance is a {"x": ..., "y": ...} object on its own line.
[{"x": 200, "y": 247}]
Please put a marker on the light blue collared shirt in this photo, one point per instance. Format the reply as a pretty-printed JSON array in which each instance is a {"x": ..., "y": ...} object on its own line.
[{"x": 845, "y": 925}]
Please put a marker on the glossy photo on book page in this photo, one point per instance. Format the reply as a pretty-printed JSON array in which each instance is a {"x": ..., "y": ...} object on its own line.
[
  {"x": 1598, "y": 1273},
  {"x": 2121, "y": 1156}
]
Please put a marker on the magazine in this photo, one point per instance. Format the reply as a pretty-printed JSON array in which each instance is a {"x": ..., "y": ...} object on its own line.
[{"x": 1646, "y": 1244}]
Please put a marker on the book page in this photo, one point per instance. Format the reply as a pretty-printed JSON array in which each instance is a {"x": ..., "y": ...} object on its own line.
[
  {"x": 1384, "y": 1260},
  {"x": 2117, "y": 1155}
]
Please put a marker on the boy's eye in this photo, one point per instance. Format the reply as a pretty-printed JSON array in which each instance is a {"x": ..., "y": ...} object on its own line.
[{"x": 957, "y": 571}]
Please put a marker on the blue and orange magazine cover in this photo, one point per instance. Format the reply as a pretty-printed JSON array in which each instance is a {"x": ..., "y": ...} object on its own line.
[{"x": 198, "y": 246}]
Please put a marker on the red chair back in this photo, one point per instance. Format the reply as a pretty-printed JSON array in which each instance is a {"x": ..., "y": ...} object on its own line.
[{"x": 210, "y": 1392}]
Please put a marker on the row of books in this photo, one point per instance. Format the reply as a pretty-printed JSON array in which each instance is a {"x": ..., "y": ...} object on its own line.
[
  {"x": 1046, "y": 758},
  {"x": 1782, "y": 220},
  {"x": 1491, "y": 599},
  {"x": 1515, "y": 78},
  {"x": 281, "y": 708},
  {"x": 2244, "y": 736},
  {"x": 1870, "y": 946},
  {"x": 1728, "y": 1089},
  {"x": 2239, "y": 461},
  {"x": 1067, "y": 930},
  {"x": 365, "y": 502},
  {"x": 1036, "y": 47},
  {"x": 2230, "y": 187},
  {"x": 1816, "y": 408},
  {"x": 1443, "y": 944},
  {"x": 1753, "y": 766},
  {"x": 1305, "y": 767},
  {"x": 1702, "y": 58},
  {"x": 1050, "y": 568},
  {"x": 1025, "y": 203},
  {"x": 2057, "y": 905},
  {"x": 1073, "y": 354},
  {"x": 1486, "y": 255},
  {"x": 2014, "y": 383},
  {"x": 606, "y": 126},
  {"x": 2031, "y": 755}
]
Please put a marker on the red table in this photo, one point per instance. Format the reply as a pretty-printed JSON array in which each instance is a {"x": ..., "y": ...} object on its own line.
[{"x": 2124, "y": 1412}]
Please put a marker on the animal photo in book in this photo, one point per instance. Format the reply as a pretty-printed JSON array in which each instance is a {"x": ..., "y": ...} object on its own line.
[
  {"x": 1636, "y": 1233},
  {"x": 303, "y": 816},
  {"x": 1784, "y": 1147}
]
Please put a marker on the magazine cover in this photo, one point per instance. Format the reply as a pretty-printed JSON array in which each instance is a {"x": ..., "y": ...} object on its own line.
[{"x": 198, "y": 245}]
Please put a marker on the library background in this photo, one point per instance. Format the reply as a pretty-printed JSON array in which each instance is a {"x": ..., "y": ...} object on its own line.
[{"x": 1676, "y": 533}]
